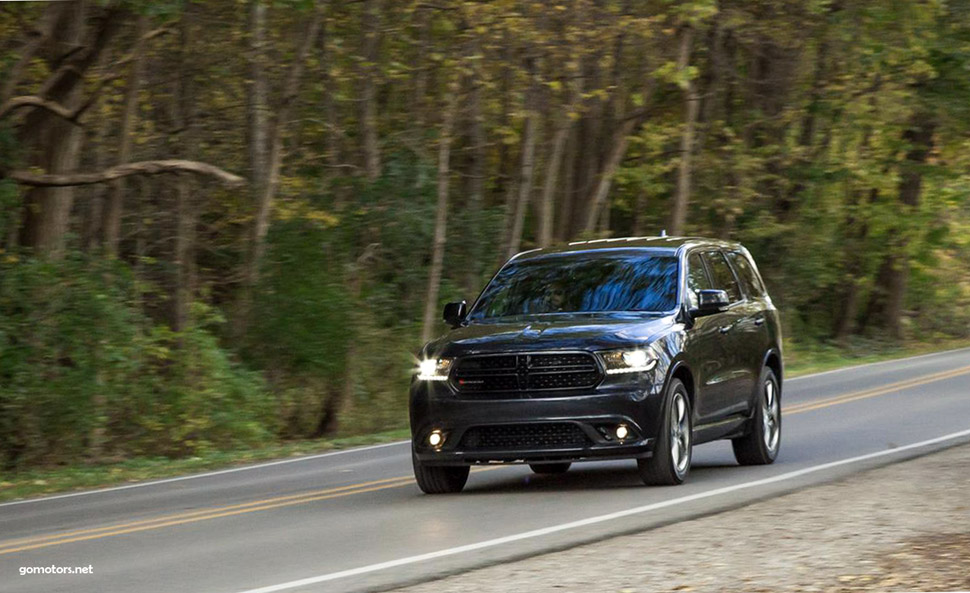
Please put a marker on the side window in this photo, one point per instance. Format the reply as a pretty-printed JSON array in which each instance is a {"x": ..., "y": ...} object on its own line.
[
  {"x": 723, "y": 276},
  {"x": 752, "y": 284},
  {"x": 697, "y": 278}
]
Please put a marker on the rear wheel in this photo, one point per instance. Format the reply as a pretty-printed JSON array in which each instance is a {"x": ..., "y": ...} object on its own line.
[
  {"x": 550, "y": 468},
  {"x": 434, "y": 479},
  {"x": 670, "y": 462},
  {"x": 760, "y": 446}
]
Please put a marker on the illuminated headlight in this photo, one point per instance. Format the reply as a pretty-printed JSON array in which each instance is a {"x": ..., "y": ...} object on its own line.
[
  {"x": 434, "y": 369},
  {"x": 629, "y": 361}
]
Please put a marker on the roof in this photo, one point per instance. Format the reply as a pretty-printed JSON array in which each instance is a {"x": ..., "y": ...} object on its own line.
[{"x": 671, "y": 243}]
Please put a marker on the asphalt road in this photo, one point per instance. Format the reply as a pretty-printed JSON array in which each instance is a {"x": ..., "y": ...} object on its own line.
[{"x": 354, "y": 520}]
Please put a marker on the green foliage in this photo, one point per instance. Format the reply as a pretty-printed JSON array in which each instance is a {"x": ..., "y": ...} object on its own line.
[
  {"x": 83, "y": 372},
  {"x": 9, "y": 209},
  {"x": 301, "y": 318},
  {"x": 807, "y": 112}
]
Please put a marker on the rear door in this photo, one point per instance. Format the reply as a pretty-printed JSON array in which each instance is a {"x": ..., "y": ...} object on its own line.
[{"x": 752, "y": 328}]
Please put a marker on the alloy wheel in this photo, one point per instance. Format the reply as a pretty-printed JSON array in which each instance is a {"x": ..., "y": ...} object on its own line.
[
  {"x": 771, "y": 416},
  {"x": 679, "y": 433}
]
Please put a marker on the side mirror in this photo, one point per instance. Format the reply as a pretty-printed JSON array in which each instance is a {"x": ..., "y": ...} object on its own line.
[
  {"x": 455, "y": 313},
  {"x": 710, "y": 302}
]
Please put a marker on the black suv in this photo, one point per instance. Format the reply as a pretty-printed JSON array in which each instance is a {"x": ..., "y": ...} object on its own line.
[{"x": 619, "y": 348}]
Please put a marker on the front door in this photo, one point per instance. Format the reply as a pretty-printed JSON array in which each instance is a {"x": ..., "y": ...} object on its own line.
[
  {"x": 707, "y": 345},
  {"x": 731, "y": 385}
]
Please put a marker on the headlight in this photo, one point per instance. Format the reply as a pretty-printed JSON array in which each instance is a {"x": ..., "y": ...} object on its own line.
[
  {"x": 434, "y": 369},
  {"x": 637, "y": 360}
]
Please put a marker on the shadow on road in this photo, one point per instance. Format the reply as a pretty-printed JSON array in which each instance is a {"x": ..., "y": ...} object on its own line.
[{"x": 612, "y": 477}]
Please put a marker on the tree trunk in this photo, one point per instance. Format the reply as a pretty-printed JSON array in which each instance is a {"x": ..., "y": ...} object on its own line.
[
  {"x": 524, "y": 192},
  {"x": 329, "y": 105},
  {"x": 597, "y": 199},
  {"x": 548, "y": 196},
  {"x": 257, "y": 99},
  {"x": 441, "y": 216},
  {"x": 54, "y": 143},
  {"x": 920, "y": 140},
  {"x": 370, "y": 48},
  {"x": 185, "y": 207},
  {"x": 553, "y": 165},
  {"x": 678, "y": 215},
  {"x": 857, "y": 230},
  {"x": 564, "y": 227},
  {"x": 112, "y": 223},
  {"x": 266, "y": 193},
  {"x": 422, "y": 19},
  {"x": 505, "y": 165},
  {"x": 587, "y": 163},
  {"x": 527, "y": 163},
  {"x": 277, "y": 128},
  {"x": 476, "y": 185},
  {"x": 638, "y": 206},
  {"x": 92, "y": 236}
]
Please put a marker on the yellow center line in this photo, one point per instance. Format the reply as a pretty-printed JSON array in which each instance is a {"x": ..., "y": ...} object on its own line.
[
  {"x": 204, "y": 515},
  {"x": 32, "y": 543},
  {"x": 187, "y": 514},
  {"x": 892, "y": 387}
]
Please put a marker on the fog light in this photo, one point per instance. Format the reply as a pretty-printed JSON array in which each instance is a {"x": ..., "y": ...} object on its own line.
[
  {"x": 622, "y": 432},
  {"x": 436, "y": 438}
]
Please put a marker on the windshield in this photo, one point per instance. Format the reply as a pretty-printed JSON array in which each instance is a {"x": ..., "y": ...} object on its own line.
[{"x": 588, "y": 282}]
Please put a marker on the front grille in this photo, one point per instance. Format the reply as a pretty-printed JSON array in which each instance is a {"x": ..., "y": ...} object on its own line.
[
  {"x": 526, "y": 372},
  {"x": 538, "y": 436}
]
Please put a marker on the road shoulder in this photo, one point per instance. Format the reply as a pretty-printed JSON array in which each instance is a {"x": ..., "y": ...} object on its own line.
[{"x": 903, "y": 527}]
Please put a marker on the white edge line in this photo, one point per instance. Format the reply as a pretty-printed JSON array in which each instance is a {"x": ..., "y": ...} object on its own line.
[
  {"x": 206, "y": 474},
  {"x": 877, "y": 363},
  {"x": 352, "y": 450},
  {"x": 593, "y": 520}
]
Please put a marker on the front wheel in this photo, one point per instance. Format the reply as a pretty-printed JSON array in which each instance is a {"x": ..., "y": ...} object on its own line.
[
  {"x": 670, "y": 462},
  {"x": 760, "y": 446},
  {"x": 439, "y": 479}
]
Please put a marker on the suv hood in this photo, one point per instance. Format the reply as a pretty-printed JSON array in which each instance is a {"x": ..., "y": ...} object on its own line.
[{"x": 537, "y": 333}]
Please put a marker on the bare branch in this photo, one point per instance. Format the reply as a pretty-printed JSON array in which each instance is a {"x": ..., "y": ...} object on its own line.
[
  {"x": 74, "y": 116},
  {"x": 54, "y": 107},
  {"x": 126, "y": 170}
]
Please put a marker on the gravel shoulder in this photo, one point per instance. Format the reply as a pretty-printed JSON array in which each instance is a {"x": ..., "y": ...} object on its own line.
[{"x": 904, "y": 527}]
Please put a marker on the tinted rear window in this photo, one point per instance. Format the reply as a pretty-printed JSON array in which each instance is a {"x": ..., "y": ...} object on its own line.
[
  {"x": 582, "y": 283},
  {"x": 752, "y": 284},
  {"x": 723, "y": 276}
]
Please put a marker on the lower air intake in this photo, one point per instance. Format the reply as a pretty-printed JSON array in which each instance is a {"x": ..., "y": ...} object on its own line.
[{"x": 539, "y": 436}]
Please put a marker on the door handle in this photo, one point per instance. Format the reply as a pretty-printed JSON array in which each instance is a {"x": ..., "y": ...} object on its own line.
[
  {"x": 759, "y": 320},
  {"x": 726, "y": 328}
]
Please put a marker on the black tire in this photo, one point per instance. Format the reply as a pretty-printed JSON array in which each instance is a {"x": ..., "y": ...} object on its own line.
[
  {"x": 550, "y": 468},
  {"x": 761, "y": 444},
  {"x": 439, "y": 479},
  {"x": 670, "y": 462}
]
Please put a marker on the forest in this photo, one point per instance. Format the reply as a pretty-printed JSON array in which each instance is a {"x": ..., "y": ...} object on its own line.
[{"x": 228, "y": 223}]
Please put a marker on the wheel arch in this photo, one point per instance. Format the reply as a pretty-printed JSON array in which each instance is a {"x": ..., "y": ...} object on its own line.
[
  {"x": 773, "y": 361},
  {"x": 680, "y": 370}
]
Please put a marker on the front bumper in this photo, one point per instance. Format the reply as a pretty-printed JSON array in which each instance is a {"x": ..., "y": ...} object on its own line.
[{"x": 589, "y": 420}]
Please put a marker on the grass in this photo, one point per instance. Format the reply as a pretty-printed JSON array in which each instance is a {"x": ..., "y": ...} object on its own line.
[
  {"x": 37, "y": 482},
  {"x": 799, "y": 360},
  {"x": 805, "y": 360}
]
